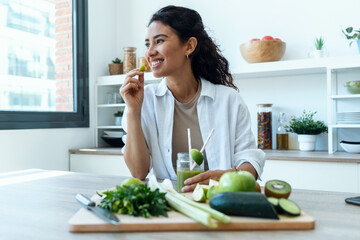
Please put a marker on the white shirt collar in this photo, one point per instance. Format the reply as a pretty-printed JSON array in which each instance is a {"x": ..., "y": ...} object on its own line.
[{"x": 208, "y": 89}]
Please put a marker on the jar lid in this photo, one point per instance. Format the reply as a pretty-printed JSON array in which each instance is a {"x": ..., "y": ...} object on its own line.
[
  {"x": 130, "y": 48},
  {"x": 264, "y": 105}
]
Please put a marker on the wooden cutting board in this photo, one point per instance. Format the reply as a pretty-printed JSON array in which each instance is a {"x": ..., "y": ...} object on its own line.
[{"x": 86, "y": 221}]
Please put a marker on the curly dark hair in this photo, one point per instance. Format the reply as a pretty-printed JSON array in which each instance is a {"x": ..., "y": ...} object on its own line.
[{"x": 206, "y": 61}]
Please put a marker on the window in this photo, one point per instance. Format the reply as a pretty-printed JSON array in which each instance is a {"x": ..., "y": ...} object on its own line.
[{"x": 43, "y": 64}]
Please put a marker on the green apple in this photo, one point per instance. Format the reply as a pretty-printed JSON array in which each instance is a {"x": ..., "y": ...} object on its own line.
[{"x": 242, "y": 181}]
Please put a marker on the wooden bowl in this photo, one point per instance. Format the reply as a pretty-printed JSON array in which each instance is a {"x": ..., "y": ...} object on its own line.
[{"x": 263, "y": 51}]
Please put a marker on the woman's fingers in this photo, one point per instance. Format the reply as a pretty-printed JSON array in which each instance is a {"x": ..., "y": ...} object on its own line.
[{"x": 128, "y": 87}]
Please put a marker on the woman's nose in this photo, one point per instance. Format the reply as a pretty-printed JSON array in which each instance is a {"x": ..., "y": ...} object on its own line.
[{"x": 151, "y": 51}]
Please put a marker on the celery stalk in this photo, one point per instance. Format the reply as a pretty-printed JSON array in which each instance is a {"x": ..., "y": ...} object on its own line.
[
  {"x": 190, "y": 211},
  {"x": 166, "y": 186}
]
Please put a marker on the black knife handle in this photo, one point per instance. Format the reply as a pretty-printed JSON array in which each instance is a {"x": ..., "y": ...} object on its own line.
[{"x": 85, "y": 201}]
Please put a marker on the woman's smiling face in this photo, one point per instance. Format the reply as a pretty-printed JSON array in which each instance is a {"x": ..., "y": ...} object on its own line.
[{"x": 164, "y": 50}]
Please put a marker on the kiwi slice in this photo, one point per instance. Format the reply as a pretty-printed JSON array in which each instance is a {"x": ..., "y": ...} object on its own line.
[{"x": 277, "y": 189}]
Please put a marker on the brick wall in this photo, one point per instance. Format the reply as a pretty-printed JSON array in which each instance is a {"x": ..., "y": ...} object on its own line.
[{"x": 63, "y": 52}]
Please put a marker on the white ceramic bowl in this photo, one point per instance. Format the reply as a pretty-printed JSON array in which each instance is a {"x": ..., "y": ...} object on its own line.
[
  {"x": 115, "y": 133},
  {"x": 350, "y": 147}
]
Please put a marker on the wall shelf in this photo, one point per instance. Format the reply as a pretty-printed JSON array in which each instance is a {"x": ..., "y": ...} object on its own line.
[
  {"x": 295, "y": 67},
  {"x": 104, "y": 113},
  {"x": 111, "y": 105},
  {"x": 347, "y": 96}
]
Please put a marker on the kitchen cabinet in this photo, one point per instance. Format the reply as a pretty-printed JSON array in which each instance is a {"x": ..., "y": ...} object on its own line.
[
  {"x": 324, "y": 176},
  {"x": 105, "y": 88},
  {"x": 339, "y": 101},
  {"x": 335, "y": 70},
  {"x": 109, "y": 161},
  {"x": 317, "y": 170}
]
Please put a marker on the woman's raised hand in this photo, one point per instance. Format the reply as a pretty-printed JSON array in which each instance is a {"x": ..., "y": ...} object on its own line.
[{"x": 132, "y": 91}]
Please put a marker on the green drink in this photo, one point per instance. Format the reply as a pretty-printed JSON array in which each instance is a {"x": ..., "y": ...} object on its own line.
[
  {"x": 184, "y": 174},
  {"x": 183, "y": 169}
]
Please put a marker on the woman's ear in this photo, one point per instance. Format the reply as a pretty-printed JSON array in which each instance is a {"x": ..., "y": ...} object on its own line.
[{"x": 191, "y": 46}]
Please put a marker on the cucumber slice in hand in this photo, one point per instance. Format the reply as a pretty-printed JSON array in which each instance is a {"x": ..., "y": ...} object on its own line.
[{"x": 142, "y": 68}]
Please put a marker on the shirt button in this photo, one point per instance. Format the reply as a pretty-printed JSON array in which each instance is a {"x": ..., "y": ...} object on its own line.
[{"x": 168, "y": 150}]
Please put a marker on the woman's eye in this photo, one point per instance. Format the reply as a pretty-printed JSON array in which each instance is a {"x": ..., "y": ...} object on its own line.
[
  {"x": 147, "y": 45},
  {"x": 159, "y": 41}
]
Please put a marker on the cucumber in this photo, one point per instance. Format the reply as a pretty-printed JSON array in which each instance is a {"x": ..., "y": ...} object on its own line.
[
  {"x": 247, "y": 204},
  {"x": 289, "y": 207},
  {"x": 275, "y": 203}
]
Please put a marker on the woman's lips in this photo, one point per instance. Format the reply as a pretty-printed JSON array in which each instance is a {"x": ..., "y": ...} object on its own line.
[{"x": 156, "y": 64}]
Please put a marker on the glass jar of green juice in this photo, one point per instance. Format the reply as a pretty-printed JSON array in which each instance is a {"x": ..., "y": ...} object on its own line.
[{"x": 184, "y": 171}]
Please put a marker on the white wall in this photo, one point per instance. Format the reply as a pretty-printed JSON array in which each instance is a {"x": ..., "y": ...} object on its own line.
[{"x": 232, "y": 22}]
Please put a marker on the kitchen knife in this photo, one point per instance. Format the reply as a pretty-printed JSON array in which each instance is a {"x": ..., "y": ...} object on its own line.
[{"x": 100, "y": 212}]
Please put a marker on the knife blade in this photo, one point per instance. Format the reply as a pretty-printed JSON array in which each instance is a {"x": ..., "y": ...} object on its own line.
[{"x": 100, "y": 212}]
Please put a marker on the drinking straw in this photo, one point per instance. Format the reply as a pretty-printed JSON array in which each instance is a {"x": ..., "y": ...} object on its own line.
[
  {"x": 207, "y": 140},
  {"x": 192, "y": 162}
]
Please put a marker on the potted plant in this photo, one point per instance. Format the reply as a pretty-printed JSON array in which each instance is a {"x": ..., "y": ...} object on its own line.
[
  {"x": 307, "y": 129},
  {"x": 352, "y": 35},
  {"x": 319, "y": 51},
  {"x": 116, "y": 67},
  {"x": 118, "y": 117}
]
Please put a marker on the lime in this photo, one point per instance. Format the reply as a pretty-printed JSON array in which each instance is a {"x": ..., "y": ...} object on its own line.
[
  {"x": 199, "y": 194},
  {"x": 131, "y": 181},
  {"x": 205, "y": 187},
  {"x": 142, "y": 68},
  {"x": 102, "y": 192},
  {"x": 197, "y": 156},
  {"x": 212, "y": 191},
  {"x": 213, "y": 182}
]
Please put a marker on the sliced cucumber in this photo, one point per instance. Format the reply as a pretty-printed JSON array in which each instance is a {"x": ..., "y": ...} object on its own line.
[
  {"x": 289, "y": 207},
  {"x": 273, "y": 201},
  {"x": 248, "y": 204}
]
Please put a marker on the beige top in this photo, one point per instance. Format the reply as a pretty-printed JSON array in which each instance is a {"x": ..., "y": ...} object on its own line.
[{"x": 185, "y": 116}]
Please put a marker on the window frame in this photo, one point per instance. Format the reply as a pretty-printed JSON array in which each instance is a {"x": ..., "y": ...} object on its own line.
[{"x": 80, "y": 116}]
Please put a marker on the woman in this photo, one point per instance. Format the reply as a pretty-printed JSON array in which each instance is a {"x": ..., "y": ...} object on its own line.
[{"x": 197, "y": 92}]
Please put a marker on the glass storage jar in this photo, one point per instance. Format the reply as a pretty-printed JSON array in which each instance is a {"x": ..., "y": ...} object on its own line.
[
  {"x": 142, "y": 61},
  {"x": 264, "y": 116},
  {"x": 282, "y": 137},
  {"x": 129, "y": 59},
  {"x": 184, "y": 170}
]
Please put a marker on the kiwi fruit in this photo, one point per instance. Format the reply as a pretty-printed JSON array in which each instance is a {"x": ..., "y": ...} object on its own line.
[
  {"x": 277, "y": 189},
  {"x": 258, "y": 188}
]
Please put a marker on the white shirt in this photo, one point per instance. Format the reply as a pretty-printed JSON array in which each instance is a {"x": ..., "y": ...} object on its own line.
[{"x": 219, "y": 107}]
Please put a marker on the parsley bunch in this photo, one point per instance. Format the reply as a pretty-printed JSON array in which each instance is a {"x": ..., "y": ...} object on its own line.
[{"x": 135, "y": 200}]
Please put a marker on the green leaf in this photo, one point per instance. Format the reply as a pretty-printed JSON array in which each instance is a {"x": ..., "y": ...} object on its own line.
[
  {"x": 305, "y": 124},
  {"x": 136, "y": 200},
  {"x": 349, "y": 29}
]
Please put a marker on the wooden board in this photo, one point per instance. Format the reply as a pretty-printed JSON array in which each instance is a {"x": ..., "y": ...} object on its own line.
[{"x": 86, "y": 221}]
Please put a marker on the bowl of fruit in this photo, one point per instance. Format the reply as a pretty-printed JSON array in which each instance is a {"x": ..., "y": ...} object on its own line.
[{"x": 267, "y": 49}]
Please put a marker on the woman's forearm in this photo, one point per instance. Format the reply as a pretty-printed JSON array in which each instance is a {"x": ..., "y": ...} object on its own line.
[{"x": 136, "y": 154}]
